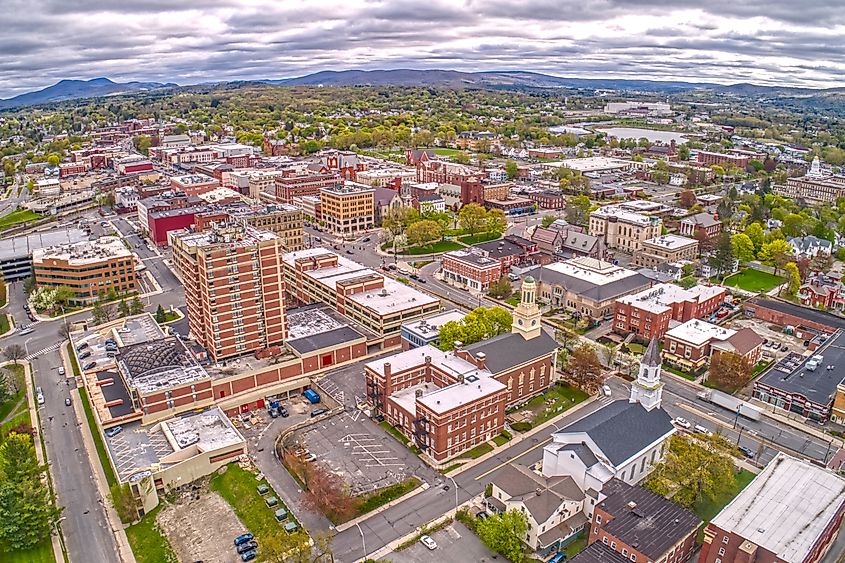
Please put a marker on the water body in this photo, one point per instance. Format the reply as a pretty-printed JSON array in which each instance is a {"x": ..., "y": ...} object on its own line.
[
  {"x": 651, "y": 134},
  {"x": 564, "y": 129}
]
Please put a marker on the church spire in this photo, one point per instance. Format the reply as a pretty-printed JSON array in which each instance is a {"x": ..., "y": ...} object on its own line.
[{"x": 648, "y": 389}]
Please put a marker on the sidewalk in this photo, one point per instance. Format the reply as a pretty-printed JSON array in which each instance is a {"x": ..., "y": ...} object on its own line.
[
  {"x": 797, "y": 424},
  {"x": 123, "y": 548},
  {"x": 40, "y": 451}
]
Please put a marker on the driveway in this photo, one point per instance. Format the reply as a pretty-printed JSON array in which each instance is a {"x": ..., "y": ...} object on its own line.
[{"x": 455, "y": 542}]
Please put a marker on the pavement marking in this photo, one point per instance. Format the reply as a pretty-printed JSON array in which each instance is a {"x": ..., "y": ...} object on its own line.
[
  {"x": 541, "y": 444},
  {"x": 42, "y": 351}
]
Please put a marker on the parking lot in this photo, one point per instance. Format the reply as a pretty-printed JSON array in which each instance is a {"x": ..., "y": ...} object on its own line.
[
  {"x": 776, "y": 339},
  {"x": 299, "y": 410},
  {"x": 454, "y": 543}
]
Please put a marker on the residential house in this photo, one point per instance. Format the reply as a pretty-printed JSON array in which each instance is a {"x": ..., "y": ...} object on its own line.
[
  {"x": 810, "y": 246},
  {"x": 823, "y": 290}
]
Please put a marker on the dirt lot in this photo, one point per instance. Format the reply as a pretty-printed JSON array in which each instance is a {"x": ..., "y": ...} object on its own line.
[{"x": 201, "y": 530}]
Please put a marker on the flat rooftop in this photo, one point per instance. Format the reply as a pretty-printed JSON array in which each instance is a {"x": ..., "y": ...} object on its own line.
[
  {"x": 472, "y": 388},
  {"x": 660, "y": 298},
  {"x": 318, "y": 326},
  {"x": 624, "y": 215},
  {"x": 592, "y": 270},
  {"x": 790, "y": 374},
  {"x": 85, "y": 252},
  {"x": 785, "y": 508},
  {"x": 24, "y": 245},
  {"x": 473, "y": 257},
  {"x": 697, "y": 332},
  {"x": 430, "y": 326},
  {"x": 671, "y": 242},
  {"x": 591, "y": 164}
]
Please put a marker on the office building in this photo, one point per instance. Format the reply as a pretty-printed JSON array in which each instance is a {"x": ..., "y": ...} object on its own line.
[
  {"x": 648, "y": 313},
  {"x": 16, "y": 252},
  {"x": 348, "y": 209},
  {"x": 622, "y": 229},
  {"x": 666, "y": 249}
]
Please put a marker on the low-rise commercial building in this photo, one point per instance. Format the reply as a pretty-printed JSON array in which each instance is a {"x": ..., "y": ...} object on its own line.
[
  {"x": 300, "y": 184},
  {"x": 791, "y": 512},
  {"x": 623, "y": 229},
  {"x": 426, "y": 331},
  {"x": 666, "y": 248},
  {"x": 194, "y": 184},
  {"x": 648, "y": 313},
  {"x": 133, "y": 164},
  {"x": 16, "y": 252},
  {"x": 91, "y": 268},
  {"x": 471, "y": 269},
  {"x": 690, "y": 345},
  {"x": 348, "y": 209}
]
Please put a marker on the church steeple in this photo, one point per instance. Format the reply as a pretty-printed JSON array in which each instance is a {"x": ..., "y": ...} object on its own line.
[
  {"x": 526, "y": 316},
  {"x": 648, "y": 389}
]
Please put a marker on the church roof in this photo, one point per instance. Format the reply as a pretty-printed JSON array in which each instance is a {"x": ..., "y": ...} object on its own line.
[
  {"x": 509, "y": 350},
  {"x": 621, "y": 429},
  {"x": 652, "y": 354}
]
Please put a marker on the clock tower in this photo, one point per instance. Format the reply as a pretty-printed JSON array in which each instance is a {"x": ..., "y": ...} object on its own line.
[{"x": 526, "y": 316}]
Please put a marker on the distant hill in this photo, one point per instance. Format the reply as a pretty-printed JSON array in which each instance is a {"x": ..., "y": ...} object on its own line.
[{"x": 78, "y": 89}]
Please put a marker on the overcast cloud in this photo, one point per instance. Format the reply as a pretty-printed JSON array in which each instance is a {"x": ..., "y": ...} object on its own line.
[{"x": 784, "y": 42}]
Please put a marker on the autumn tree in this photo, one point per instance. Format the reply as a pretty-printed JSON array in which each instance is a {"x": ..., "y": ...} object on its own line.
[
  {"x": 585, "y": 368},
  {"x": 472, "y": 218},
  {"x": 687, "y": 199},
  {"x": 692, "y": 474},
  {"x": 424, "y": 233},
  {"x": 729, "y": 370},
  {"x": 743, "y": 247},
  {"x": 326, "y": 492},
  {"x": 821, "y": 262},
  {"x": 503, "y": 533}
]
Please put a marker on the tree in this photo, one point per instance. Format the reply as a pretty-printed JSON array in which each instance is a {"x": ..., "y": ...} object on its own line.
[
  {"x": 64, "y": 331},
  {"x": 793, "y": 277},
  {"x": 472, "y": 217},
  {"x": 161, "y": 316},
  {"x": 578, "y": 210},
  {"x": 424, "y": 233},
  {"x": 102, "y": 312},
  {"x": 548, "y": 220},
  {"x": 692, "y": 473},
  {"x": 14, "y": 353},
  {"x": 123, "y": 308},
  {"x": 495, "y": 222},
  {"x": 17, "y": 458},
  {"x": 743, "y": 247},
  {"x": 822, "y": 262},
  {"x": 326, "y": 492},
  {"x": 53, "y": 160},
  {"x": 683, "y": 152},
  {"x": 135, "y": 306},
  {"x": 585, "y": 368},
  {"x": 501, "y": 288},
  {"x": 793, "y": 225},
  {"x": 123, "y": 502},
  {"x": 480, "y": 324},
  {"x": 729, "y": 371},
  {"x": 776, "y": 253},
  {"x": 722, "y": 258},
  {"x": 503, "y": 533},
  {"x": 754, "y": 231},
  {"x": 142, "y": 144},
  {"x": 511, "y": 169},
  {"x": 687, "y": 199}
]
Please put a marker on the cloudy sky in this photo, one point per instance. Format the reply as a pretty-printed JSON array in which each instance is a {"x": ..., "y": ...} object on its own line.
[{"x": 795, "y": 42}]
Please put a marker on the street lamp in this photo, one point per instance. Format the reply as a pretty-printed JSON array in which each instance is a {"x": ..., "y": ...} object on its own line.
[
  {"x": 363, "y": 544},
  {"x": 456, "y": 491},
  {"x": 736, "y": 418}
]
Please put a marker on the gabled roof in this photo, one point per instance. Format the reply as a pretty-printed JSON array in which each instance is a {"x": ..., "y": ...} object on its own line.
[
  {"x": 510, "y": 350},
  {"x": 546, "y": 236},
  {"x": 743, "y": 342},
  {"x": 597, "y": 552},
  {"x": 542, "y": 496},
  {"x": 622, "y": 429},
  {"x": 702, "y": 220},
  {"x": 580, "y": 242}
]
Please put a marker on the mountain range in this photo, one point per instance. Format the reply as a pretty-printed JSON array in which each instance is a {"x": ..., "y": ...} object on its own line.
[{"x": 78, "y": 89}]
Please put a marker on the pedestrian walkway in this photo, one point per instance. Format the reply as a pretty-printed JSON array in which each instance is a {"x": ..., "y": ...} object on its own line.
[{"x": 42, "y": 351}]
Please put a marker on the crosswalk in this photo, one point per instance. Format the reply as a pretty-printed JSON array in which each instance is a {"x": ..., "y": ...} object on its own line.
[{"x": 43, "y": 351}]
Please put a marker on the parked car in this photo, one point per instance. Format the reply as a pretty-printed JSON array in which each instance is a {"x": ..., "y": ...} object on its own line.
[
  {"x": 67, "y": 401},
  {"x": 422, "y": 280},
  {"x": 241, "y": 539},
  {"x": 702, "y": 430},
  {"x": 40, "y": 398},
  {"x": 274, "y": 413},
  {"x": 84, "y": 355},
  {"x": 429, "y": 542},
  {"x": 481, "y": 515},
  {"x": 91, "y": 365},
  {"x": 784, "y": 348},
  {"x": 349, "y": 252},
  {"x": 747, "y": 452},
  {"x": 113, "y": 431},
  {"x": 248, "y": 556},
  {"x": 283, "y": 412},
  {"x": 682, "y": 422},
  {"x": 248, "y": 546},
  {"x": 318, "y": 412},
  {"x": 61, "y": 371}
]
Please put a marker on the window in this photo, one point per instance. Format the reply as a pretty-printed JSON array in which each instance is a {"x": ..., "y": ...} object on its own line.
[
  {"x": 722, "y": 551},
  {"x": 613, "y": 545},
  {"x": 624, "y": 553},
  {"x": 725, "y": 539},
  {"x": 598, "y": 518},
  {"x": 604, "y": 540},
  {"x": 633, "y": 557}
]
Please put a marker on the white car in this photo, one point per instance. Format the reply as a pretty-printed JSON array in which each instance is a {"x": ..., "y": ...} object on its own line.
[
  {"x": 682, "y": 422},
  {"x": 61, "y": 371},
  {"x": 702, "y": 430},
  {"x": 428, "y": 542},
  {"x": 606, "y": 390}
]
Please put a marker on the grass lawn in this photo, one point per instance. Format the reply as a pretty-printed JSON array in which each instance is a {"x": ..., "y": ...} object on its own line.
[
  {"x": 237, "y": 487},
  {"x": 446, "y": 152},
  {"x": 399, "y": 436},
  {"x": 2, "y": 292},
  {"x": 170, "y": 316},
  {"x": 21, "y": 418},
  {"x": 576, "y": 546},
  {"x": 42, "y": 553},
  {"x": 501, "y": 440},
  {"x": 73, "y": 364},
  {"x": 4, "y": 323},
  {"x": 451, "y": 468},
  {"x": 707, "y": 510},
  {"x": 755, "y": 281},
  {"x": 477, "y": 451},
  {"x": 560, "y": 397},
  {"x": 477, "y": 238},
  {"x": 6, "y": 407},
  {"x": 102, "y": 453},
  {"x": 18, "y": 217},
  {"x": 439, "y": 246},
  {"x": 681, "y": 373},
  {"x": 379, "y": 498},
  {"x": 148, "y": 544},
  {"x": 761, "y": 366},
  {"x": 636, "y": 348},
  {"x": 513, "y": 299}
]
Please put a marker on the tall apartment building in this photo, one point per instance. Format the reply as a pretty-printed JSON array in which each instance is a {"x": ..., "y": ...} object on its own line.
[
  {"x": 622, "y": 229},
  {"x": 666, "y": 249},
  {"x": 377, "y": 303},
  {"x": 348, "y": 209},
  {"x": 90, "y": 268},
  {"x": 281, "y": 219},
  {"x": 234, "y": 288},
  {"x": 649, "y": 312},
  {"x": 289, "y": 187}
]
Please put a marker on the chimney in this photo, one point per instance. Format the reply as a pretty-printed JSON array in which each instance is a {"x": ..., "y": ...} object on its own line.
[
  {"x": 418, "y": 393},
  {"x": 481, "y": 360},
  {"x": 457, "y": 345},
  {"x": 388, "y": 381},
  {"x": 632, "y": 505}
]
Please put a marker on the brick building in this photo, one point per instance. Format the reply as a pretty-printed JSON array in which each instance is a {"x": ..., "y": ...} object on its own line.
[
  {"x": 666, "y": 249},
  {"x": 296, "y": 185},
  {"x": 348, "y": 209},
  {"x": 194, "y": 184},
  {"x": 67, "y": 169},
  {"x": 691, "y": 344},
  {"x": 444, "y": 172},
  {"x": 471, "y": 269},
  {"x": 790, "y": 513},
  {"x": 701, "y": 226},
  {"x": 234, "y": 288},
  {"x": 649, "y": 312},
  {"x": 547, "y": 199},
  {"x": 132, "y": 164},
  {"x": 90, "y": 268},
  {"x": 707, "y": 158}
]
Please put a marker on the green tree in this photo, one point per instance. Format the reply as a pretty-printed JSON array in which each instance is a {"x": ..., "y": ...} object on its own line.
[
  {"x": 495, "y": 222},
  {"x": 53, "y": 160},
  {"x": 743, "y": 247},
  {"x": 578, "y": 210},
  {"x": 480, "y": 324},
  {"x": 123, "y": 308},
  {"x": 754, "y": 231},
  {"x": 161, "y": 316},
  {"x": 793, "y": 225},
  {"x": 64, "y": 294},
  {"x": 548, "y": 220},
  {"x": 17, "y": 458},
  {"x": 793, "y": 277},
  {"x": 424, "y": 233},
  {"x": 683, "y": 152},
  {"x": 722, "y": 257},
  {"x": 123, "y": 502},
  {"x": 472, "y": 218},
  {"x": 511, "y": 169},
  {"x": 136, "y": 307},
  {"x": 692, "y": 474},
  {"x": 776, "y": 253},
  {"x": 142, "y": 144},
  {"x": 501, "y": 288},
  {"x": 503, "y": 533}
]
